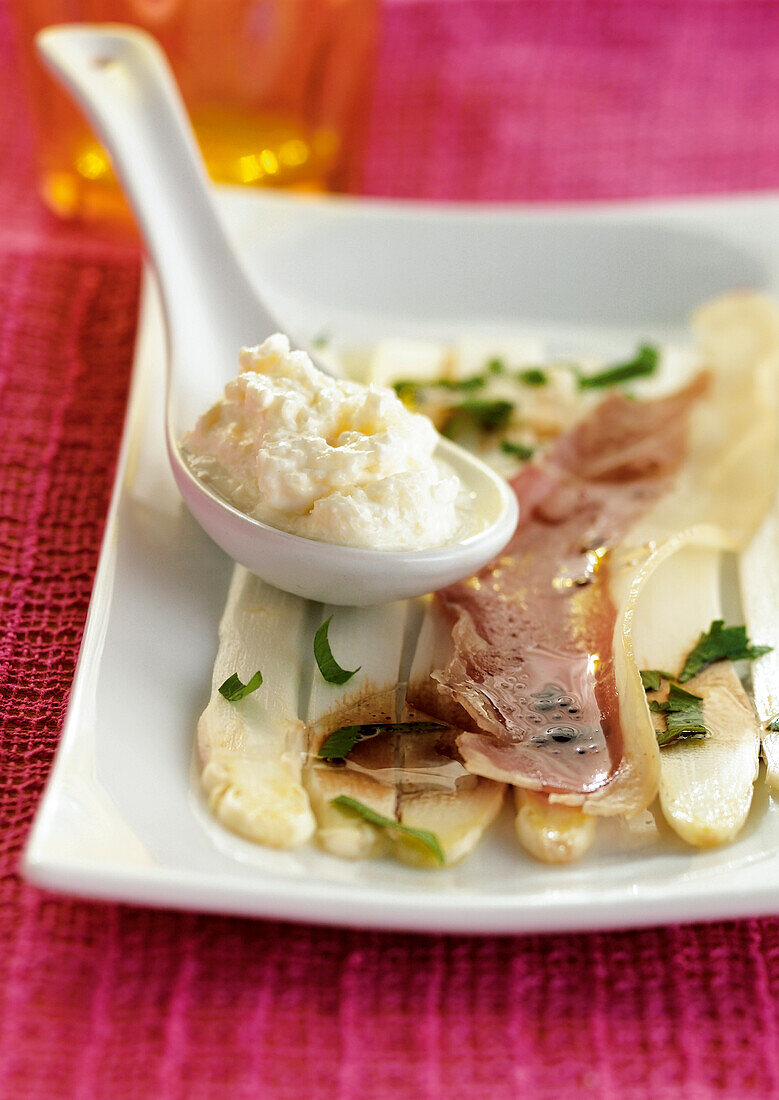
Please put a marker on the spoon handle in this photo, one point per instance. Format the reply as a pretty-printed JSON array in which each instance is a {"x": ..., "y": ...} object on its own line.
[{"x": 121, "y": 79}]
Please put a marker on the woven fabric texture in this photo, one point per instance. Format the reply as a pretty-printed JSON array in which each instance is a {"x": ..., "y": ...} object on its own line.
[{"x": 477, "y": 99}]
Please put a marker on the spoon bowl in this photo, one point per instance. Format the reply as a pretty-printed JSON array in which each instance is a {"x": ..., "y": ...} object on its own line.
[{"x": 121, "y": 79}]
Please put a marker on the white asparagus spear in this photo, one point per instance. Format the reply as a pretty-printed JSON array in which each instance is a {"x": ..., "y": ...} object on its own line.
[
  {"x": 732, "y": 445},
  {"x": 371, "y": 638},
  {"x": 549, "y": 831},
  {"x": 458, "y": 817},
  {"x": 636, "y": 832},
  {"x": 252, "y": 750},
  {"x": 397, "y": 360},
  {"x": 759, "y": 582},
  {"x": 433, "y": 651},
  {"x": 705, "y": 786},
  {"x": 728, "y": 477}
]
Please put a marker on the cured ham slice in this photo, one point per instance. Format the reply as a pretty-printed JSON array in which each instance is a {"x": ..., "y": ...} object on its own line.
[{"x": 534, "y": 664}]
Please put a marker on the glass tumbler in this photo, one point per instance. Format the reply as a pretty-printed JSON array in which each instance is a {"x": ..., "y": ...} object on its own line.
[{"x": 276, "y": 91}]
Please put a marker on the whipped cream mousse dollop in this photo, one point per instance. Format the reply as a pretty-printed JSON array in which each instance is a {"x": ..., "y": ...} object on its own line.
[{"x": 327, "y": 458}]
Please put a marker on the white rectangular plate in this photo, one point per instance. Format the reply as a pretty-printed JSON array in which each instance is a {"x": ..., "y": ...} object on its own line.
[{"x": 122, "y": 817}]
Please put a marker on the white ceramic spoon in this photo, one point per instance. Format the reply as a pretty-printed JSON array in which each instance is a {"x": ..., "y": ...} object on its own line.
[{"x": 122, "y": 81}]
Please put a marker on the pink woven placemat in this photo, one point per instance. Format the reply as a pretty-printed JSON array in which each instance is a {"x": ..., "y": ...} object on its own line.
[{"x": 474, "y": 99}]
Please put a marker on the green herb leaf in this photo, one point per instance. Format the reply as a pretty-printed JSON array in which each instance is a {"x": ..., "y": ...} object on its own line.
[
  {"x": 321, "y": 340},
  {"x": 233, "y": 690},
  {"x": 486, "y": 416},
  {"x": 341, "y": 741},
  {"x": 358, "y": 809},
  {"x": 517, "y": 450},
  {"x": 651, "y": 677},
  {"x": 718, "y": 643},
  {"x": 533, "y": 376},
  {"x": 643, "y": 363},
  {"x": 773, "y": 725},
  {"x": 408, "y": 392},
  {"x": 475, "y": 382},
  {"x": 328, "y": 666},
  {"x": 495, "y": 366},
  {"x": 683, "y": 716}
]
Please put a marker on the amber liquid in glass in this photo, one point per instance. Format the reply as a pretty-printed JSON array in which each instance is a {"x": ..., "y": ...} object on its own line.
[
  {"x": 275, "y": 90},
  {"x": 238, "y": 148}
]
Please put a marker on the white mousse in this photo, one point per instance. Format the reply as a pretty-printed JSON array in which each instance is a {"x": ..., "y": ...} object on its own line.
[{"x": 326, "y": 458}]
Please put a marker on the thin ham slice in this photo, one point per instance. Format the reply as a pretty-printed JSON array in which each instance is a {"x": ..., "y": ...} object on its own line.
[{"x": 533, "y": 663}]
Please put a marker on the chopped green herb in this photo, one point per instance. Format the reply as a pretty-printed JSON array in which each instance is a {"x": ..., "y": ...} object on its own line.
[
  {"x": 533, "y": 376},
  {"x": 516, "y": 450},
  {"x": 718, "y": 643},
  {"x": 643, "y": 363},
  {"x": 326, "y": 662},
  {"x": 773, "y": 725},
  {"x": 341, "y": 741},
  {"x": 408, "y": 392},
  {"x": 358, "y": 809},
  {"x": 683, "y": 715},
  {"x": 487, "y": 416},
  {"x": 475, "y": 382},
  {"x": 651, "y": 677},
  {"x": 233, "y": 690},
  {"x": 495, "y": 366},
  {"x": 321, "y": 340}
]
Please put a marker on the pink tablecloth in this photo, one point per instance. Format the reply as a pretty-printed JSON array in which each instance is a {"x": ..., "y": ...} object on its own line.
[{"x": 473, "y": 99}]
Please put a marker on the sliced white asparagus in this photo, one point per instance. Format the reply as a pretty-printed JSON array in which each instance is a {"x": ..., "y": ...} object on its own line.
[
  {"x": 474, "y": 352},
  {"x": 376, "y": 638},
  {"x": 637, "y": 831},
  {"x": 759, "y": 582},
  {"x": 551, "y": 832},
  {"x": 399, "y": 360},
  {"x": 732, "y": 445},
  {"x": 428, "y": 361},
  {"x": 458, "y": 817},
  {"x": 371, "y": 638},
  {"x": 433, "y": 650},
  {"x": 252, "y": 750},
  {"x": 705, "y": 786},
  {"x": 728, "y": 478},
  {"x": 738, "y": 329}
]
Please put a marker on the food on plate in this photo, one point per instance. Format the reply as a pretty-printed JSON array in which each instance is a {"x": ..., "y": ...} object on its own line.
[
  {"x": 406, "y": 771},
  {"x": 327, "y": 458},
  {"x": 251, "y": 750},
  {"x": 534, "y": 633},
  {"x": 552, "y": 833},
  {"x": 759, "y": 585},
  {"x": 590, "y": 667}
]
